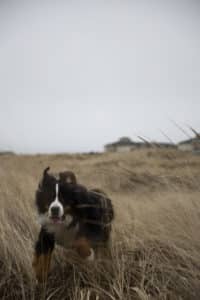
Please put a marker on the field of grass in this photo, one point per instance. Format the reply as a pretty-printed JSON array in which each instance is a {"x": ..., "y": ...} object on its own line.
[{"x": 156, "y": 232}]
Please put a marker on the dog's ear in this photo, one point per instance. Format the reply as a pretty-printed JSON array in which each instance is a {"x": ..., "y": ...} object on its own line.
[
  {"x": 44, "y": 178},
  {"x": 46, "y": 170},
  {"x": 46, "y": 175},
  {"x": 68, "y": 177}
]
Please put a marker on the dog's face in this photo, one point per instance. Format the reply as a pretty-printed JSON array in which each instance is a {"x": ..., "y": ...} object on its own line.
[{"x": 53, "y": 207}]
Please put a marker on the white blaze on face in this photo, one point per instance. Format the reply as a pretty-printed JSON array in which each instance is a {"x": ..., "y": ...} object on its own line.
[{"x": 57, "y": 203}]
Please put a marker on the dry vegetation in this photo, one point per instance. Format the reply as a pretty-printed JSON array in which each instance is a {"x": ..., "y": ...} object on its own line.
[{"x": 155, "y": 242}]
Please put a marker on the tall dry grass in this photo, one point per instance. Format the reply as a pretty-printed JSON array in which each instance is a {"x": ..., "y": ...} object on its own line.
[{"x": 155, "y": 252}]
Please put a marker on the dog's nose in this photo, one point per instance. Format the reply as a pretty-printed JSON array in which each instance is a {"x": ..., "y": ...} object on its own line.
[{"x": 54, "y": 211}]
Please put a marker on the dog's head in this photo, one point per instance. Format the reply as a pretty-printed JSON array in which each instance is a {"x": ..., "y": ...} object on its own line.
[{"x": 53, "y": 206}]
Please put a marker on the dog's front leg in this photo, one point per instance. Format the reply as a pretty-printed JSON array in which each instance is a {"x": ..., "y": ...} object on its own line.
[
  {"x": 42, "y": 257},
  {"x": 83, "y": 248}
]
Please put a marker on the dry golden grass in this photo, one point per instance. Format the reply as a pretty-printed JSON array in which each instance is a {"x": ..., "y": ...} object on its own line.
[{"x": 155, "y": 241}]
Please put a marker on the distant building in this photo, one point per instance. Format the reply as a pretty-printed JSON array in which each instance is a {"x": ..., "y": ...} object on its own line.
[
  {"x": 192, "y": 144},
  {"x": 125, "y": 144}
]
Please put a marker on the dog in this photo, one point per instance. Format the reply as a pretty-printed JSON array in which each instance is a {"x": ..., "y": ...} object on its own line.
[{"x": 71, "y": 216}]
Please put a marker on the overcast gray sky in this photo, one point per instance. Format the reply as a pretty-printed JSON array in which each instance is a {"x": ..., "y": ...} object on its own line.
[{"x": 75, "y": 75}]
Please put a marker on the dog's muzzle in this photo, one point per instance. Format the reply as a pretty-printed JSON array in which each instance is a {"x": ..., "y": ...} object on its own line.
[{"x": 55, "y": 212}]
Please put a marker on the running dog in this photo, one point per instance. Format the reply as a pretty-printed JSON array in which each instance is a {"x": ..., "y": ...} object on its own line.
[{"x": 71, "y": 216}]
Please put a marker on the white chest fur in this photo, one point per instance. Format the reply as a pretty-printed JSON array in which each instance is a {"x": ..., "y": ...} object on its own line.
[{"x": 64, "y": 236}]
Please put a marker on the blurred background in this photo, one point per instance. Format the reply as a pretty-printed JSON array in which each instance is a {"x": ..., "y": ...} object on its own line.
[{"x": 76, "y": 75}]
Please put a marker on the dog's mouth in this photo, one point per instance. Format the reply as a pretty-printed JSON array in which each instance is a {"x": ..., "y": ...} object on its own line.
[{"x": 57, "y": 220}]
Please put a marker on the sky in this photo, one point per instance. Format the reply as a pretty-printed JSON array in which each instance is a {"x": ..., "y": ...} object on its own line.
[{"x": 76, "y": 75}]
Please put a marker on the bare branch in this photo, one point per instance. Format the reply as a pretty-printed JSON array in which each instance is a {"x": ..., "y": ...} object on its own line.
[{"x": 181, "y": 129}]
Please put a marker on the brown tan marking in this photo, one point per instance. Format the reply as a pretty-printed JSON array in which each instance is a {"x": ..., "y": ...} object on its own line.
[
  {"x": 83, "y": 248},
  {"x": 41, "y": 266},
  {"x": 68, "y": 177}
]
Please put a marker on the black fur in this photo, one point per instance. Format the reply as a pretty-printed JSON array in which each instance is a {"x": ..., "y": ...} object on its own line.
[
  {"x": 45, "y": 242},
  {"x": 45, "y": 192},
  {"x": 92, "y": 209}
]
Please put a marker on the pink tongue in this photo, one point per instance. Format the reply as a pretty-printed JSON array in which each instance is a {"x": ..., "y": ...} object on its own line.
[{"x": 56, "y": 220}]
